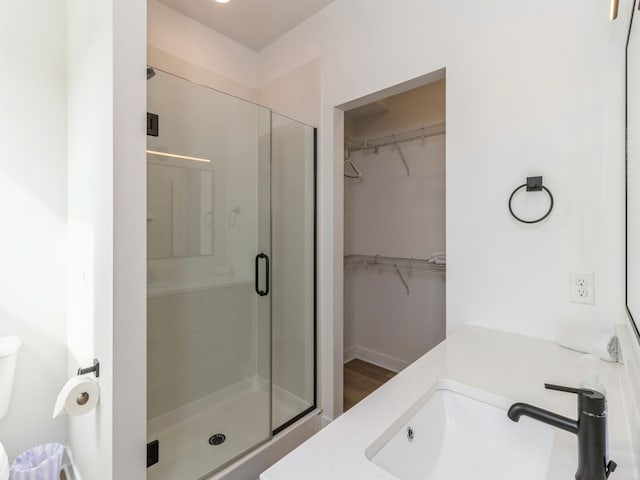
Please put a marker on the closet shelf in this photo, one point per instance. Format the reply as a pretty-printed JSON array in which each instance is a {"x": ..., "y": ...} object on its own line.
[
  {"x": 424, "y": 132},
  {"x": 436, "y": 262},
  {"x": 354, "y": 145}
]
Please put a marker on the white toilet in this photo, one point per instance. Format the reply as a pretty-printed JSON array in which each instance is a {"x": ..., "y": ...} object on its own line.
[{"x": 9, "y": 347}]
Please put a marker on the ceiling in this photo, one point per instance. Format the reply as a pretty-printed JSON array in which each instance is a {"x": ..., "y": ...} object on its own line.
[{"x": 253, "y": 23}]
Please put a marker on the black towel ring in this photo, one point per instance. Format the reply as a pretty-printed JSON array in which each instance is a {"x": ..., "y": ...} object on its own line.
[{"x": 534, "y": 184}]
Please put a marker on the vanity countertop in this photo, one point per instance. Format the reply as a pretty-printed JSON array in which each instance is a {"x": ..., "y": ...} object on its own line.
[{"x": 511, "y": 366}]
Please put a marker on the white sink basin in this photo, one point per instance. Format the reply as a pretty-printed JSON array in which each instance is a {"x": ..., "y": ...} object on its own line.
[{"x": 463, "y": 433}]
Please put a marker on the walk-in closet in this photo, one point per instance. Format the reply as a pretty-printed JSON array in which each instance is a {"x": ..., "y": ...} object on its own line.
[{"x": 394, "y": 236}]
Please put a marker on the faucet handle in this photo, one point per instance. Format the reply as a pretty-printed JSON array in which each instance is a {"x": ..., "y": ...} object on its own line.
[
  {"x": 560, "y": 388},
  {"x": 589, "y": 401}
]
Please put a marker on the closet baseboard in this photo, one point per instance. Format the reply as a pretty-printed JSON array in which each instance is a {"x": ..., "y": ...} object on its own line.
[
  {"x": 350, "y": 353},
  {"x": 376, "y": 358}
]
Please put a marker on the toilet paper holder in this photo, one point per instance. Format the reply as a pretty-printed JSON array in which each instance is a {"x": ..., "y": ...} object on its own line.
[{"x": 95, "y": 369}]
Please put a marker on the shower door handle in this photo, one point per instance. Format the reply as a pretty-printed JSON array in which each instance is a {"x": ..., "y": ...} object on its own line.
[{"x": 259, "y": 257}]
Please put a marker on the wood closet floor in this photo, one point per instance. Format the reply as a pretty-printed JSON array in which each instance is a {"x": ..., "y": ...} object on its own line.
[{"x": 360, "y": 379}]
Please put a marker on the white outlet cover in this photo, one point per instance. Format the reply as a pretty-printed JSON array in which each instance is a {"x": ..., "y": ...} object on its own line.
[{"x": 582, "y": 288}]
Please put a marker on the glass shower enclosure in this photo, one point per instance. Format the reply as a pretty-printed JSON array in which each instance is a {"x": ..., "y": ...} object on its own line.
[{"x": 231, "y": 276}]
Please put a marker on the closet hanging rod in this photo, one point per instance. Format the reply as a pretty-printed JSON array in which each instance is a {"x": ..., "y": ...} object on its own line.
[
  {"x": 436, "y": 262},
  {"x": 407, "y": 136}
]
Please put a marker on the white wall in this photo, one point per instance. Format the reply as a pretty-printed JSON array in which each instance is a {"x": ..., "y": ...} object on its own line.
[
  {"x": 129, "y": 237},
  {"x": 33, "y": 211},
  {"x": 532, "y": 88},
  {"x": 107, "y": 231},
  {"x": 90, "y": 296},
  {"x": 390, "y": 213},
  {"x": 63, "y": 65},
  {"x": 180, "y": 45},
  {"x": 295, "y": 94}
]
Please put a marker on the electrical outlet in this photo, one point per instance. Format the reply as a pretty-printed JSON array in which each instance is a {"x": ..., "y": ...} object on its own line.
[{"x": 582, "y": 288}]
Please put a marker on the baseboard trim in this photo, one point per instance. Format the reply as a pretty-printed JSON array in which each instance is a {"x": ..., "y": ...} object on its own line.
[
  {"x": 376, "y": 358},
  {"x": 350, "y": 353}
]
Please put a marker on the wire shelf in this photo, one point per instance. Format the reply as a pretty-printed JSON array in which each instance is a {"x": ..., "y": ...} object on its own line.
[{"x": 423, "y": 132}]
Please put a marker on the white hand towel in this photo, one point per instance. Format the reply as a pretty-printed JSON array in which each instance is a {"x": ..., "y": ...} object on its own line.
[{"x": 589, "y": 339}]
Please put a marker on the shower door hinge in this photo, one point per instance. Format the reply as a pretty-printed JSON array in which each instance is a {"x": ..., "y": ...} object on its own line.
[
  {"x": 153, "y": 453},
  {"x": 152, "y": 124}
]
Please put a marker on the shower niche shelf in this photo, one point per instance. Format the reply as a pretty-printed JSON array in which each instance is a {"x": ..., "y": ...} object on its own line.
[{"x": 164, "y": 289}]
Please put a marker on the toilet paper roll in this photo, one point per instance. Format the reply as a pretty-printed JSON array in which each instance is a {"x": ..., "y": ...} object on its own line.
[{"x": 79, "y": 395}]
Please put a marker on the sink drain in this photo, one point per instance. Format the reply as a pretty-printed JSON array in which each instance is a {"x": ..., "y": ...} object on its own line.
[
  {"x": 217, "y": 439},
  {"x": 410, "y": 434}
]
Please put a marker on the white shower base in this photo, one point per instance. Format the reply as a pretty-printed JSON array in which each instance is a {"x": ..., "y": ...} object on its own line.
[{"x": 240, "y": 412}]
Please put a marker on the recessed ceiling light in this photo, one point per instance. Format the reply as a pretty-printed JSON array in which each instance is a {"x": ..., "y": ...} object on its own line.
[{"x": 223, "y": 1}]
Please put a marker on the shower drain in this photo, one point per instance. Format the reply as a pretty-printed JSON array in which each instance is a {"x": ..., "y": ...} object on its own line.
[{"x": 217, "y": 439}]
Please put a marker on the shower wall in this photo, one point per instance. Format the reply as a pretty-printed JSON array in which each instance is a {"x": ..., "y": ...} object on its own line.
[
  {"x": 223, "y": 130},
  {"x": 202, "y": 321},
  {"x": 247, "y": 186},
  {"x": 209, "y": 309},
  {"x": 200, "y": 343},
  {"x": 295, "y": 95}
]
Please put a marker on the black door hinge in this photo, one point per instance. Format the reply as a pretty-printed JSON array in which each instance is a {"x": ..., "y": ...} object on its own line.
[
  {"x": 152, "y": 124},
  {"x": 153, "y": 453}
]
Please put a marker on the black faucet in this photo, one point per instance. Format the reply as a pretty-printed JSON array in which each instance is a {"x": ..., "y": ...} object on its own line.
[{"x": 591, "y": 429}]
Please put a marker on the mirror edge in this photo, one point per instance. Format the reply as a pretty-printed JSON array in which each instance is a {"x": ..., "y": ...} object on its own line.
[{"x": 634, "y": 325}]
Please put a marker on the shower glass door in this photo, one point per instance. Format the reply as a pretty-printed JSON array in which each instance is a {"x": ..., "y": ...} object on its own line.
[
  {"x": 293, "y": 233},
  {"x": 209, "y": 292}
]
